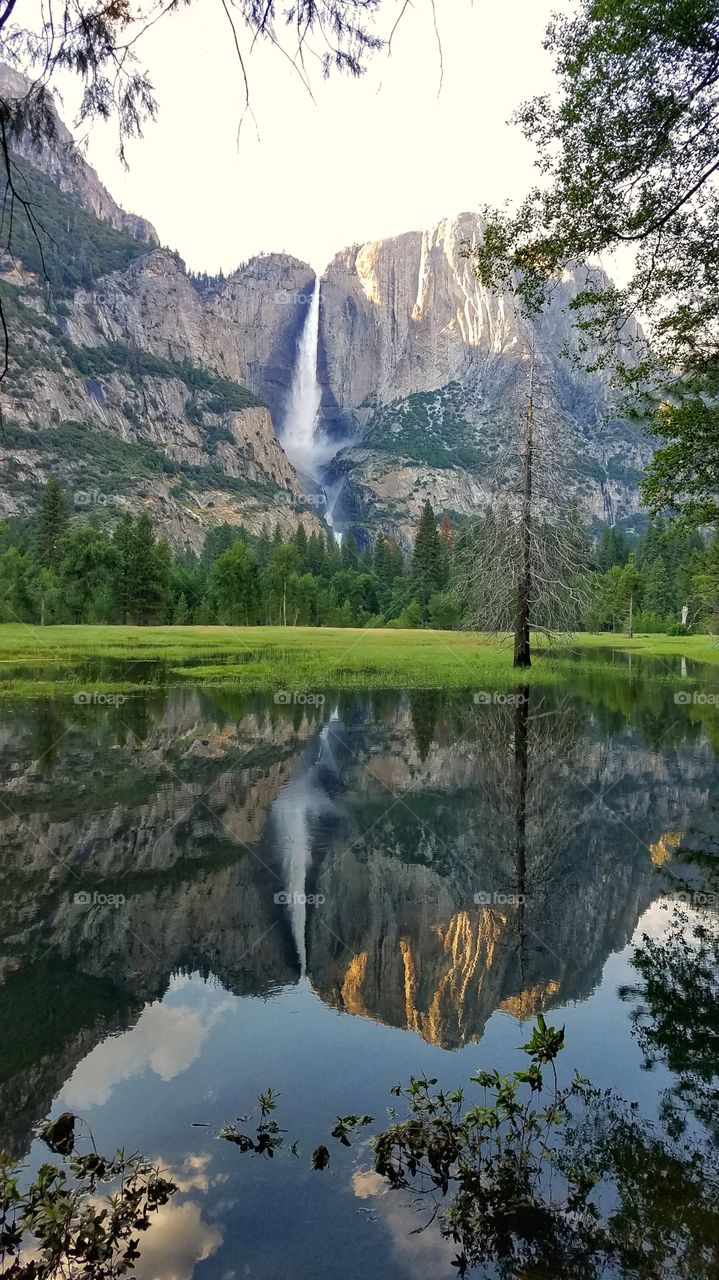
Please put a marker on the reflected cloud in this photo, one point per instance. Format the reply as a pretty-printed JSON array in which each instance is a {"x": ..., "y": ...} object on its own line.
[
  {"x": 427, "y": 1253},
  {"x": 166, "y": 1039},
  {"x": 176, "y": 1241}
]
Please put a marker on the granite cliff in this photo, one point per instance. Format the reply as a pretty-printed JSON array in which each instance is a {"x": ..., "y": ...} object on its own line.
[
  {"x": 126, "y": 378},
  {"x": 425, "y": 371},
  {"x": 142, "y": 385}
]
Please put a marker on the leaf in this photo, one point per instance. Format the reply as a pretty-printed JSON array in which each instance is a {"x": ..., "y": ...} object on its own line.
[{"x": 320, "y": 1158}]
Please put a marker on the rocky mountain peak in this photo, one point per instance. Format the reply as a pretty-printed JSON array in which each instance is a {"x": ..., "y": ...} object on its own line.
[{"x": 62, "y": 161}]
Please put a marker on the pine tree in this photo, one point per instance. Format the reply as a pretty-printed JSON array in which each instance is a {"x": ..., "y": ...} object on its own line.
[
  {"x": 53, "y": 518},
  {"x": 427, "y": 566},
  {"x": 181, "y": 614},
  {"x": 300, "y": 541},
  {"x": 657, "y": 589},
  {"x": 381, "y": 566},
  {"x": 613, "y": 549},
  {"x": 349, "y": 551},
  {"x": 263, "y": 550},
  {"x": 630, "y": 586},
  {"x": 396, "y": 560},
  {"x": 234, "y": 588},
  {"x": 148, "y": 573},
  {"x": 316, "y": 557},
  {"x": 122, "y": 543}
]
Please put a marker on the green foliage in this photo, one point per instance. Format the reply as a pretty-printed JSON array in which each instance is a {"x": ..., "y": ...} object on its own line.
[
  {"x": 613, "y": 548},
  {"x": 75, "y": 248},
  {"x": 222, "y": 395},
  {"x": 428, "y": 427},
  {"x": 627, "y": 145},
  {"x": 666, "y": 569},
  {"x": 83, "y": 1217},
  {"x": 429, "y": 569},
  {"x": 52, "y": 522},
  {"x": 147, "y": 572},
  {"x": 443, "y": 611},
  {"x": 234, "y": 589},
  {"x": 684, "y": 472}
]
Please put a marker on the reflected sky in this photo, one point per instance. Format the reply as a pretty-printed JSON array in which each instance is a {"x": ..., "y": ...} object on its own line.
[{"x": 325, "y": 904}]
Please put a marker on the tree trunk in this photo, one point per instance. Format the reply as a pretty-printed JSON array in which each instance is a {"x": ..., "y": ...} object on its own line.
[{"x": 522, "y": 651}]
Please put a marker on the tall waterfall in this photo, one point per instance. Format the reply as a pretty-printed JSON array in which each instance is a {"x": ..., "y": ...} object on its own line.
[
  {"x": 300, "y": 437},
  {"x": 299, "y": 803}
]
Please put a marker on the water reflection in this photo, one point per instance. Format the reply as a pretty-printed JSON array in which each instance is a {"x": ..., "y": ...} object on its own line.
[{"x": 413, "y": 862}]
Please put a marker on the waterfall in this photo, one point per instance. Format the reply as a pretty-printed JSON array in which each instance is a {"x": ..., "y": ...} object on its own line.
[
  {"x": 299, "y": 803},
  {"x": 292, "y": 818},
  {"x": 304, "y": 440},
  {"x": 300, "y": 437}
]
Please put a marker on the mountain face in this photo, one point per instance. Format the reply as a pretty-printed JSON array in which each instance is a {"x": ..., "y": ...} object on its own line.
[
  {"x": 142, "y": 386},
  {"x": 196, "y": 810},
  {"x": 130, "y": 381},
  {"x": 63, "y": 163},
  {"x": 426, "y": 372}
]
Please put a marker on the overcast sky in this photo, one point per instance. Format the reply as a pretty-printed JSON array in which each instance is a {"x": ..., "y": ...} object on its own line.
[{"x": 366, "y": 159}]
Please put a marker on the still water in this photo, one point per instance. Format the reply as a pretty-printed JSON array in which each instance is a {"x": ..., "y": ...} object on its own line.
[{"x": 204, "y": 895}]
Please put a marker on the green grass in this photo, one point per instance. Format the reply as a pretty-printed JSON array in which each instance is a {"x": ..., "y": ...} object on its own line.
[
  {"x": 54, "y": 661},
  {"x": 697, "y": 648}
]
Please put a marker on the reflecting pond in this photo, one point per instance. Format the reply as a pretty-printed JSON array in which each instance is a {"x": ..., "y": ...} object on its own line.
[{"x": 206, "y": 894}]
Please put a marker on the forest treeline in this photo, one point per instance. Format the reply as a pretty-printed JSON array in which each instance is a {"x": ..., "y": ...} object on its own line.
[{"x": 54, "y": 569}]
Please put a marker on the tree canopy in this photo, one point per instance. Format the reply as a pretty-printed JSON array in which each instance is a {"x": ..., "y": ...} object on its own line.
[{"x": 628, "y": 153}]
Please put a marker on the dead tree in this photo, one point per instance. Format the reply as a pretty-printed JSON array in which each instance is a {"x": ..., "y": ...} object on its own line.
[{"x": 524, "y": 560}]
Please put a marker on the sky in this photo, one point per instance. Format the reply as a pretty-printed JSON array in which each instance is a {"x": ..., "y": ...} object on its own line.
[{"x": 365, "y": 159}]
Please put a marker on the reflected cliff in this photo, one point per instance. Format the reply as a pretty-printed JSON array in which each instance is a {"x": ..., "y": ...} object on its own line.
[{"x": 421, "y": 860}]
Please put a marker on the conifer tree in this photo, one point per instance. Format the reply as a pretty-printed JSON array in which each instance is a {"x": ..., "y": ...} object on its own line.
[
  {"x": 263, "y": 549},
  {"x": 427, "y": 565},
  {"x": 53, "y": 519},
  {"x": 657, "y": 590},
  {"x": 300, "y": 541},
  {"x": 148, "y": 573},
  {"x": 349, "y": 551},
  {"x": 122, "y": 543}
]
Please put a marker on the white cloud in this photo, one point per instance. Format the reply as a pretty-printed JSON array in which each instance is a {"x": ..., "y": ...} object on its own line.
[
  {"x": 176, "y": 1241},
  {"x": 166, "y": 1039}
]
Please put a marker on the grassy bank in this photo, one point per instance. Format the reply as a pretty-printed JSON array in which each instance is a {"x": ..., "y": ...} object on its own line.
[
  {"x": 57, "y": 660},
  {"x": 697, "y": 648}
]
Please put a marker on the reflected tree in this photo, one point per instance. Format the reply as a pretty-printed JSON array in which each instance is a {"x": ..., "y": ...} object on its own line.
[
  {"x": 676, "y": 1014},
  {"x": 425, "y": 707}
]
